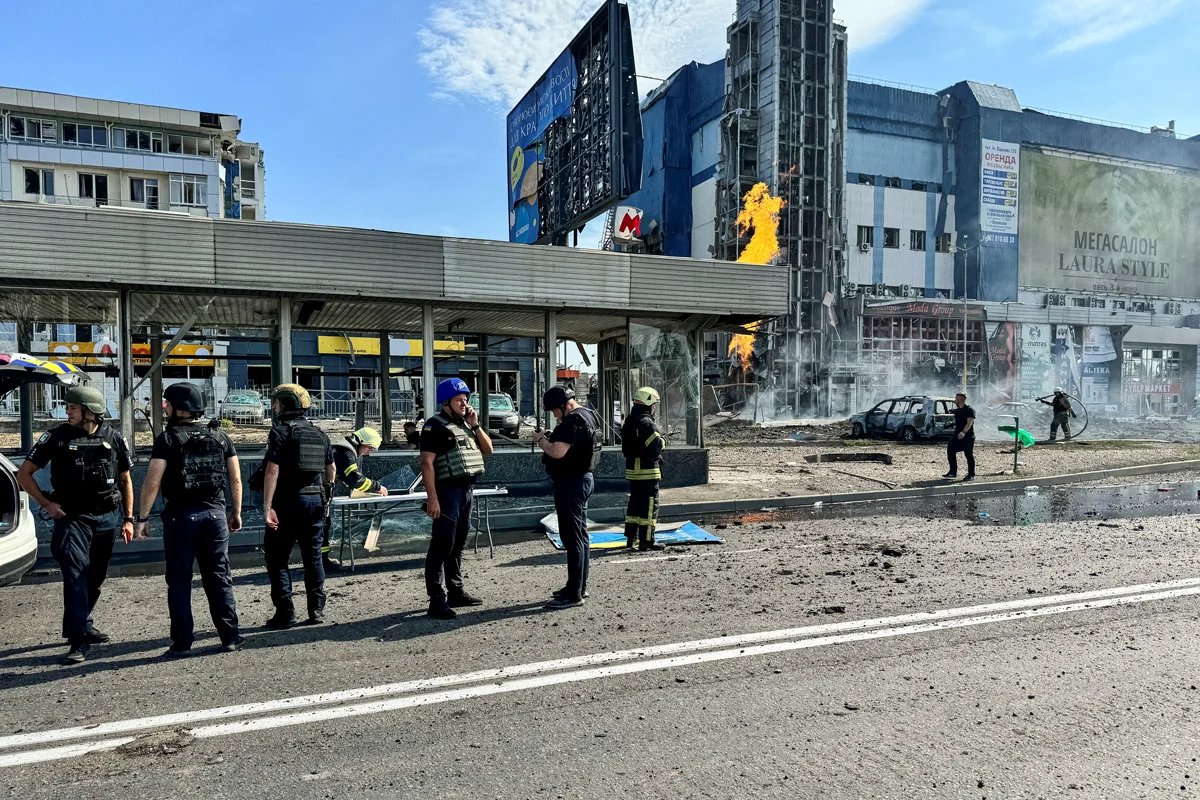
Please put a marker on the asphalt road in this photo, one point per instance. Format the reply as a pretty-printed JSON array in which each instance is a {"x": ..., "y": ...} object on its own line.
[{"x": 798, "y": 659}]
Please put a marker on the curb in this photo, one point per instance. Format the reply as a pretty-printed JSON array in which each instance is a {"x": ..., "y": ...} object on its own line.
[{"x": 977, "y": 487}]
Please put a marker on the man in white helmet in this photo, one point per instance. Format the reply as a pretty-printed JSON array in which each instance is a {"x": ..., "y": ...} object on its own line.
[{"x": 642, "y": 445}]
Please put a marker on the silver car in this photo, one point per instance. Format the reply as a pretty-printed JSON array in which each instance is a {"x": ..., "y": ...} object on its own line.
[{"x": 244, "y": 406}]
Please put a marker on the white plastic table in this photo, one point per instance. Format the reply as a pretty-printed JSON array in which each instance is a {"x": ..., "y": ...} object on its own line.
[{"x": 480, "y": 513}]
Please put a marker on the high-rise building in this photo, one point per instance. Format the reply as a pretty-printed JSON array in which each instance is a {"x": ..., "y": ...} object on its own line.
[
  {"x": 68, "y": 150},
  {"x": 783, "y": 126}
]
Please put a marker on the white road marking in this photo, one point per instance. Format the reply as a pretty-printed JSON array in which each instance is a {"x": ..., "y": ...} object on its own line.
[{"x": 501, "y": 679}]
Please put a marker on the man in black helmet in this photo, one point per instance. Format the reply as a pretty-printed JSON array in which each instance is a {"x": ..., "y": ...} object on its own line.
[
  {"x": 299, "y": 472},
  {"x": 571, "y": 454},
  {"x": 193, "y": 463},
  {"x": 92, "y": 499}
]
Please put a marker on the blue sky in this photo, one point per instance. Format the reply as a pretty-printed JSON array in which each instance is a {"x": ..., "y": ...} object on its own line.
[{"x": 391, "y": 115}]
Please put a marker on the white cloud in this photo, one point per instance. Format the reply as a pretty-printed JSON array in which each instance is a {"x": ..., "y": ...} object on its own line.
[
  {"x": 872, "y": 22},
  {"x": 494, "y": 50},
  {"x": 1089, "y": 22}
]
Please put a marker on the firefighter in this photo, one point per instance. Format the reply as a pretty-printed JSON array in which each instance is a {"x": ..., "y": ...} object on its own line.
[
  {"x": 642, "y": 445},
  {"x": 453, "y": 446},
  {"x": 194, "y": 463},
  {"x": 571, "y": 454},
  {"x": 347, "y": 462},
  {"x": 92, "y": 498},
  {"x": 299, "y": 474},
  {"x": 1060, "y": 404}
]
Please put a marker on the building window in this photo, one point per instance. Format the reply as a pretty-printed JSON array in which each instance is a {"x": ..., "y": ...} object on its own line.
[
  {"x": 891, "y": 238},
  {"x": 920, "y": 187},
  {"x": 916, "y": 240},
  {"x": 866, "y": 237},
  {"x": 84, "y": 135},
  {"x": 892, "y": 183},
  {"x": 147, "y": 141},
  {"x": 942, "y": 245},
  {"x": 94, "y": 187},
  {"x": 188, "y": 145},
  {"x": 32, "y": 130},
  {"x": 189, "y": 190},
  {"x": 144, "y": 192},
  {"x": 868, "y": 180}
]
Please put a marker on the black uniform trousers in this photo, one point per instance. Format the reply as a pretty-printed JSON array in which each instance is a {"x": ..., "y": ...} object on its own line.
[
  {"x": 82, "y": 544},
  {"x": 964, "y": 445},
  {"x": 301, "y": 521},
  {"x": 449, "y": 538},
  {"x": 571, "y": 494},
  {"x": 641, "y": 513},
  {"x": 201, "y": 534},
  {"x": 1062, "y": 420}
]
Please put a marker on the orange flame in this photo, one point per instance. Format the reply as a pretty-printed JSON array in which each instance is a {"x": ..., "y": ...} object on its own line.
[{"x": 760, "y": 214}]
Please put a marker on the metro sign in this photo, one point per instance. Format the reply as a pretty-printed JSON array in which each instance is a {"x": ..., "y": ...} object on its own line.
[{"x": 627, "y": 225}]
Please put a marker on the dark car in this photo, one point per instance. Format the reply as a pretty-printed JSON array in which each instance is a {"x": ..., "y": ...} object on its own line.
[
  {"x": 907, "y": 418},
  {"x": 502, "y": 413}
]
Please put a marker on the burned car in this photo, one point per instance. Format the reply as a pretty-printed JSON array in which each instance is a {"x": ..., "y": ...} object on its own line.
[{"x": 909, "y": 419}]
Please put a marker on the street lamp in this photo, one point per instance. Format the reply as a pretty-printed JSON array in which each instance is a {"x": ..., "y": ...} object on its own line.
[{"x": 966, "y": 251}]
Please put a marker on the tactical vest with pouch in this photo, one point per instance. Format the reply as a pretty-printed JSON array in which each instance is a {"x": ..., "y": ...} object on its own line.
[
  {"x": 198, "y": 473},
  {"x": 464, "y": 461},
  {"x": 85, "y": 475},
  {"x": 306, "y": 449}
]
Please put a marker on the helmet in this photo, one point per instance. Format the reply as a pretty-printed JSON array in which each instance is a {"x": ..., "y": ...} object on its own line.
[
  {"x": 368, "y": 436},
  {"x": 89, "y": 397},
  {"x": 451, "y": 388},
  {"x": 185, "y": 397},
  {"x": 292, "y": 397},
  {"x": 556, "y": 397},
  {"x": 645, "y": 396},
  {"x": 1057, "y": 389}
]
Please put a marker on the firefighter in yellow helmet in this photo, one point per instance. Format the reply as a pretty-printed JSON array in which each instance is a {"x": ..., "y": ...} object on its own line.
[
  {"x": 642, "y": 445},
  {"x": 347, "y": 463}
]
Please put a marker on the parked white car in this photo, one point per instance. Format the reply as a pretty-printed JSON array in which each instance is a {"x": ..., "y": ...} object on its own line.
[{"x": 18, "y": 532}]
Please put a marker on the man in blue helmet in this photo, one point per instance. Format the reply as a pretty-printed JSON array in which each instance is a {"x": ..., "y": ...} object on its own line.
[{"x": 453, "y": 446}]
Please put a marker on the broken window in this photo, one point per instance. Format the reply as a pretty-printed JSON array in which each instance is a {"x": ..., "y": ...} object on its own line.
[
  {"x": 893, "y": 183},
  {"x": 891, "y": 238},
  {"x": 33, "y": 183},
  {"x": 94, "y": 187},
  {"x": 942, "y": 244},
  {"x": 189, "y": 190},
  {"x": 16, "y": 127},
  {"x": 916, "y": 240},
  {"x": 144, "y": 192},
  {"x": 866, "y": 237}
]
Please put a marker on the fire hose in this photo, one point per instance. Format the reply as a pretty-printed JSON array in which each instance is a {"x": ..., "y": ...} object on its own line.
[{"x": 1082, "y": 407}]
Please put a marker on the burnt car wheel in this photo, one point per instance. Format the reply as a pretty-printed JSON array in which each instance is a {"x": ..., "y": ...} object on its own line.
[
  {"x": 908, "y": 434},
  {"x": 857, "y": 431}
]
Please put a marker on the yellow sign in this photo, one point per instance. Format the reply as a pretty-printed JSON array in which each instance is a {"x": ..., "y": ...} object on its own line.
[
  {"x": 104, "y": 353},
  {"x": 369, "y": 346}
]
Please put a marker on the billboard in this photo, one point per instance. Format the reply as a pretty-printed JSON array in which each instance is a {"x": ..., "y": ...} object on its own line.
[
  {"x": 1094, "y": 226},
  {"x": 999, "y": 170},
  {"x": 575, "y": 138}
]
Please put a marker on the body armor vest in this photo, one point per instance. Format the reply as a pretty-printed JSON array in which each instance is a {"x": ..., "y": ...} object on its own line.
[
  {"x": 464, "y": 460},
  {"x": 84, "y": 474},
  {"x": 199, "y": 472}
]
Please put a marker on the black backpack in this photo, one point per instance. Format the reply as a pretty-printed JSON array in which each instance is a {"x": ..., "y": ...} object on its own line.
[{"x": 199, "y": 471}]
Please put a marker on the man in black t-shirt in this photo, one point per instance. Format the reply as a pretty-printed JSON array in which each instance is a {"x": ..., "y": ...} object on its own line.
[
  {"x": 194, "y": 464},
  {"x": 571, "y": 453},
  {"x": 92, "y": 498},
  {"x": 963, "y": 439}
]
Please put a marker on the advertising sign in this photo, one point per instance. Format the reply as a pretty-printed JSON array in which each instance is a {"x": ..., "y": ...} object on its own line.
[
  {"x": 1036, "y": 369},
  {"x": 105, "y": 353},
  {"x": 1092, "y": 226},
  {"x": 1098, "y": 344},
  {"x": 1095, "y": 383},
  {"x": 999, "y": 186},
  {"x": 369, "y": 346},
  {"x": 575, "y": 138}
]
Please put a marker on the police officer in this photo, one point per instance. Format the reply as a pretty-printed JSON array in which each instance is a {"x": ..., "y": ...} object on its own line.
[
  {"x": 193, "y": 464},
  {"x": 89, "y": 472},
  {"x": 1061, "y": 406},
  {"x": 299, "y": 472},
  {"x": 571, "y": 454},
  {"x": 642, "y": 445},
  {"x": 453, "y": 446}
]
